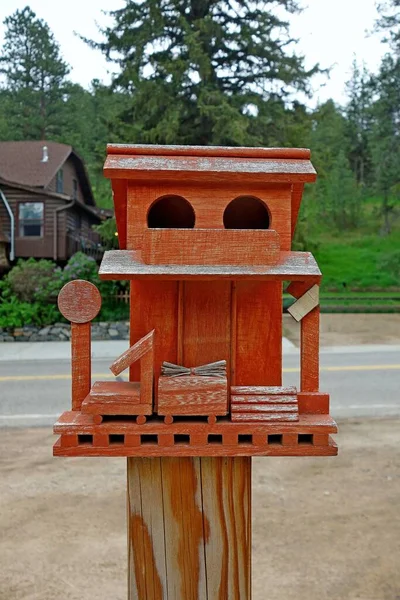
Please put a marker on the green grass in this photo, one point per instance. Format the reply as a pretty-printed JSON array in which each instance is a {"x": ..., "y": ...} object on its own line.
[{"x": 359, "y": 263}]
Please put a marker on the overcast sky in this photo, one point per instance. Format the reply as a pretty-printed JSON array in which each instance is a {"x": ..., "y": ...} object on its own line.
[{"x": 331, "y": 32}]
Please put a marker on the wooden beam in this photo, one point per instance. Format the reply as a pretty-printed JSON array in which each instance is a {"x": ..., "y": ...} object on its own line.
[
  {"x": 134, "y": 353},
  {"x": 183, "y": 543},
  {"x": 305, "y": 303}
]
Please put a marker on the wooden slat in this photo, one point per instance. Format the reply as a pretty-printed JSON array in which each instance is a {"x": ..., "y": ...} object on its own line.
[
  {"x": 305, "y": 303},
  {"x": 113, "y": 391},
  {"x": 261, "y": 417},
  {"x": 297, "y": 193},
  {"x": 259, "y": 334},
  {"x": 313, "y": 403},
  {"x": 210, "y": 247},
  {"x": 127, "y": 264},
  {"x": 309, "y": 352},
  {"x": 259, "y": 390},
  {"x": 206, "y": 329},
  {"x": 263, "y": 400},
  {"x": 154, "y": 305},
  {"x": 80, "y": 362},
  {"x": 119, "y": 188},
  {"x": 134, "y": 353},
  {"x": 77, "y": 422},
  {"x": 264, "y": 408},
  {"x": 211, "y": 151}
]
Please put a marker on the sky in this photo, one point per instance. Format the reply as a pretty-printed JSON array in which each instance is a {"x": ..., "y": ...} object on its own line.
[{"x": 330, "y": 32}]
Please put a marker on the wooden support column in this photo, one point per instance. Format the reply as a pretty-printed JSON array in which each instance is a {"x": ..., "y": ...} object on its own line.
[
  {"x": 189, "y": 528},
  {"x": 309, "y": 348}
]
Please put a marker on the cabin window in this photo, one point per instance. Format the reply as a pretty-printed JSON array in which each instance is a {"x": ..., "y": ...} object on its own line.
[
  {"x": 60, "y": 182},
  {"x": 30, "y": 219},
  {"x": 246, "y": 212},
  {"x": 171, "y": 212},
  {"x": 74, "y": 189}
]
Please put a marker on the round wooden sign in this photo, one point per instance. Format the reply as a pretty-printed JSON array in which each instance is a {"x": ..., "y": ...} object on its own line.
[{"x": 79, "y": 301}]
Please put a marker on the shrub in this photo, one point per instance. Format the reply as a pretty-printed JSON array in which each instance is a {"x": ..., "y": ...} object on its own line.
[
  {"x": 33, "y": 281},
  {"x": 14, "y": 313}
]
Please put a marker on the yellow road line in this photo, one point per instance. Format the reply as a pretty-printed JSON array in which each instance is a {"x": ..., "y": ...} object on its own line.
[{"x": 288, "y": 370}]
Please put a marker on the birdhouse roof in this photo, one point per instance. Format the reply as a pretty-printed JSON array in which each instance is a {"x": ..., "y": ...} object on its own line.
[{"x": 277, "y": 165}]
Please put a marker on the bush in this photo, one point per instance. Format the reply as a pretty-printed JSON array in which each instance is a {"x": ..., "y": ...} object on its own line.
[
  {"x": 14, "y": 313},
  {"x": 33, "y": 281}
]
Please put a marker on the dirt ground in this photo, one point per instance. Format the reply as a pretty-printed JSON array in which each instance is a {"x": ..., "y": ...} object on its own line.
[
  {"x": 323, "y": 527},
  {"x": 350, "y": 329}
]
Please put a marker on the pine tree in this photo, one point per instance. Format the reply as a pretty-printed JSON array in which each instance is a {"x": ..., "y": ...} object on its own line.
[
  {"x": 385, "y": 138},
  {"x": 389, "y": 22},
  {"x": 200, "y": 71},
  {"x": 34, "y": 75},
  {"x": 358, "y": 115}
]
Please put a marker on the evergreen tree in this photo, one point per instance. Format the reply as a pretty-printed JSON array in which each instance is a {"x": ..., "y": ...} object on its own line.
[
  {"x": 200, "y": 71},
  {"x": 358, "y": 116},
  {"x": 34, "y": 75},
  {"x": 385, "y": 138},
  {"x": 389, "y": 22}
]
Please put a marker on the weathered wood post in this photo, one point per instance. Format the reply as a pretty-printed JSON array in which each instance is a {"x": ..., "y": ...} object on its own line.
[{"x": 205, "y": 237}]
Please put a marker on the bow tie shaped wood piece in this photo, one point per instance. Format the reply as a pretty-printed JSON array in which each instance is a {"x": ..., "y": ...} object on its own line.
[{"x": 214, "y": 369}]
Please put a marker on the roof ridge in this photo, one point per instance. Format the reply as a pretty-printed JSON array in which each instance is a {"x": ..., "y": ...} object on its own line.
[{"x": 211, "y": 151}]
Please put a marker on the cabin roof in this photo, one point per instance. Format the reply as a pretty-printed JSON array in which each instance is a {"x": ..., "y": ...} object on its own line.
[{"x": 287, "y": 165}]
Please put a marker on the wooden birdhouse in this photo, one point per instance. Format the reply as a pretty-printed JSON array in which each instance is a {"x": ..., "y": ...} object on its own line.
[{"x": 205, "y": 239}]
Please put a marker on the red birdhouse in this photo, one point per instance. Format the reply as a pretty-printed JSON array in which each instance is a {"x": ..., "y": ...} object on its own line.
[{"x": 205, "y": 238}]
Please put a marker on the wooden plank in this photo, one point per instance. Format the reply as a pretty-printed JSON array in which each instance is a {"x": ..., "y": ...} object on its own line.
[
  {"x": 127, "y": 264},
  {"x": 264, "y": 400},
  {"x": 259, "y": 334},
  {"x": 305, "y": 303},
  {"x": 212, "y": 450},
  {"x": 264, "y": 408},
  {"x": 146, "y": 544},
  {"x": 191, "y": 394},
  {"x": 113, "y": 391},
  {"x": 264, "y": 416},
  {"x": 77, "y": 422},
  {"x": 219, "y": 169},
  {"x": 206, "y": 329},
  {"x": 80, "y": 363},
  {"x": 154, "y": 305},
  {"x": 229, "y": 151},
  {"x": 134, "y": 353},
  {"x": 297, "y": 193},
  {"x": 226, "y": 494},
  {"x": 259, "y": 390},
  {"x": 309, "y": 352},
  {"x": 210, "y": 247}
]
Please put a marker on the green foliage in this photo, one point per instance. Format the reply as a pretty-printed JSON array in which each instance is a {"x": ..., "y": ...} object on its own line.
[
  {"x": 198, "y": 73},
  {"x": 34, "y": 74},
  {"x": 14, "y": 313},
  {"x": 108, "y": 233},
  {"x": 29, "y": 291}
]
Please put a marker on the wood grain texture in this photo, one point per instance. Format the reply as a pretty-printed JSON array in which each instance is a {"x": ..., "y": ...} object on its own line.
[
  {"x": 181, "y": 513},
  {"x": 309, "y": 352},
  {"x": 210, "y": 247},
  {"x": 206, "y": 322},
  {"x": 116, "y": 398},
  {"x": 212, "y": 450},
  {"x": 259, "y": 334},
  {"x": 80, "y": 363},
  {"x": 313, "y": 403},
  {"x": 297, "y": 194},
  {"x": 238, "y": 152},
  {"x": 197, "y": 168},
  {"x": 126, "y": 264},
  {"x": 79, "y": 301},
  {"x": 154, "y": 305},
  {"x": 305, "y": 303},
  {"x": 208, "y": 202},
  {"x": 192, "y": 395},
  {"x": 259, "y": 390},
  {"x": 134, "y": 353}
]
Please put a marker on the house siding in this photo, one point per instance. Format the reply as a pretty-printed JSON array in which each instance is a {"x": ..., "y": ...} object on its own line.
[{"x": 69, "y": 174}]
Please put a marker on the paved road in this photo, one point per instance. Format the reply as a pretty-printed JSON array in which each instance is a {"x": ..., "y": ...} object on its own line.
[{"x": 362, "y": 382}]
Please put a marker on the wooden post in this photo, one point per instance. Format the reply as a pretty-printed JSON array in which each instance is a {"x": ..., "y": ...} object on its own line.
[{"x": 189, "y": 528}]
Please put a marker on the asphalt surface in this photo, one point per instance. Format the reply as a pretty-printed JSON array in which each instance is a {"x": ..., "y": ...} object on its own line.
[{"x": 363, "y": 382}]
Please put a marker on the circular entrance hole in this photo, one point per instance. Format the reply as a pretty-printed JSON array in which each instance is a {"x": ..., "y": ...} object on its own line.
[
  {"x": 246, "y": 212},
  {"x": 171, "y": 212}
]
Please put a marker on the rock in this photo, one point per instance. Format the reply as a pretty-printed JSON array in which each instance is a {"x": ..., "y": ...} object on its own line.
[
  {"x": 55, "y": 331},
  {"x": 18, "y": 332},
  {"x": 113, "y": 333},
  {"x": 44, "y": 331}
]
